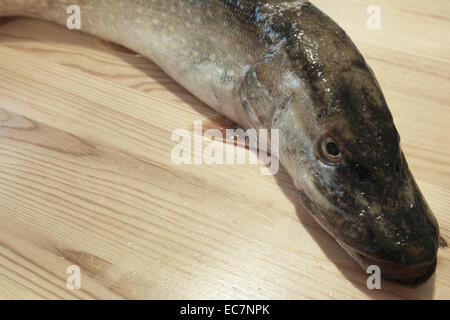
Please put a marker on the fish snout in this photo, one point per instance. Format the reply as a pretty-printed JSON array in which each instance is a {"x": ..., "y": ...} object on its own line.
[
  {"x": 412, "y": 274},
  {"x": 410, "y": 259}
]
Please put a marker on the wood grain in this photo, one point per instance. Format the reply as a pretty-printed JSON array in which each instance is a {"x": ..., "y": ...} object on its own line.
[{"x": 86, "y": 177}]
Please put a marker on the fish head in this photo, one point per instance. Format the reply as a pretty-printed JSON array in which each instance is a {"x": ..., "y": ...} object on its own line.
[
  {"x": 345, "y": 157},
  {"x": 339, "y": 143}
]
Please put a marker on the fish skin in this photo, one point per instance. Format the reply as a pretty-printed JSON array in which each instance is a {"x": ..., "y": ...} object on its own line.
[{"x": 285, "y": 65}]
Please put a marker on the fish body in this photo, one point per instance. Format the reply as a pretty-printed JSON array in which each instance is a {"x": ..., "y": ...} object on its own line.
[{"x": 285, "y": 65}]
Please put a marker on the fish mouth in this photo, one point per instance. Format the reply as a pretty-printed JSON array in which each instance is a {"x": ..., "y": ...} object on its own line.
[
  {"x": 405, "y": 274},
  {"x": 411, "y": 275}
]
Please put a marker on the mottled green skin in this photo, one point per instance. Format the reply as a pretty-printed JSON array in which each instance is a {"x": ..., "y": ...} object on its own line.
[{"x": 285, "y": 65}]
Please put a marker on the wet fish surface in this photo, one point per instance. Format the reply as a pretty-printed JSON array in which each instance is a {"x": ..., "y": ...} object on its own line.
[{"x": 284, "y": 64}]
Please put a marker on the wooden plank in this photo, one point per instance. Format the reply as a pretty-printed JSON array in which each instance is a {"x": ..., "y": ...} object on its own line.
[{"x": 87, "y": 180}]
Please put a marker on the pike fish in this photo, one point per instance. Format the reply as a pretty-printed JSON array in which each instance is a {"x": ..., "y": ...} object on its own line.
[{"x": 284, "y": 64}]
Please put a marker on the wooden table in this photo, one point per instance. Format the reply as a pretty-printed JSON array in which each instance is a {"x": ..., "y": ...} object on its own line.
[{"x": 86, "y": 177}]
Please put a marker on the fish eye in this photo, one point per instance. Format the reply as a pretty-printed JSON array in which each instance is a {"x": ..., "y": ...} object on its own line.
[{"x": 329, "y": 150}]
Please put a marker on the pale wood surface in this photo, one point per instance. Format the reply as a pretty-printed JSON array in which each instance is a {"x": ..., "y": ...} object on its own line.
[{"x": 86, "y": 177}]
